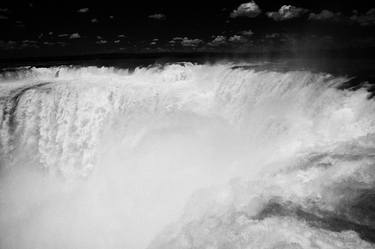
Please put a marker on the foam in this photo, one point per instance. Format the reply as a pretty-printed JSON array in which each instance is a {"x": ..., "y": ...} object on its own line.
[{"x": 117, "y": 153}]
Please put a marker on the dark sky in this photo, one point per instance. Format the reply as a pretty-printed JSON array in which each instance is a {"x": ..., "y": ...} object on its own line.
[{"x": 42, "y": 28}]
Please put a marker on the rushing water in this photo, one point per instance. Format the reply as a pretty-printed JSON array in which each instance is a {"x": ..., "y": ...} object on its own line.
[{"x": 185, "y": 156}]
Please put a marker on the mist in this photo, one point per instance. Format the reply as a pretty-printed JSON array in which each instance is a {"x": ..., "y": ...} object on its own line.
[{"x": 107, "y": 158}]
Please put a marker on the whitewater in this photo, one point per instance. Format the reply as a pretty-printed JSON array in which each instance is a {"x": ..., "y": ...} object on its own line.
[{"x": 182, "y": 156}]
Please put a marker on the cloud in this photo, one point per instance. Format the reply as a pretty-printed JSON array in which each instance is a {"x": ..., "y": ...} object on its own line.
[
  {"x": 3, "y": 13},
  {"x": 11, "y": 45},
  {"x": 48, "y": 43},
  {"x": 116, "y": 41},
  {"x": 20, "y": 24},
  {"x": 325, "y": 15},
  {"x": 83, "y": 10},
  {"x": 287, "y": 12},
  {"x": 29, "y": 42},
  {"x": 154, "y": 41},
  {"x": 63, "y": 35},
  {"x": 186, "y": 42},
  {"x": 7, "y": 45},
  {"x": 75, "y": 36},
  {"x": 63, "y": 44},
  {"x": 250, "y": 9},
  {"x": 101, "y": 42},
  {"x": 247, "y": 32},
  {"x": 157, "y": 16},
  {"x": 366, "y": 19},
  {"x": 175, "y": 40},
  {"x": 237, "y": 39},
  {"x": 94, "y": 20},
  {"x": 272, "y": 35},
  {"x": 121, "y": 36},
  {"x": 218, "y": 41}
]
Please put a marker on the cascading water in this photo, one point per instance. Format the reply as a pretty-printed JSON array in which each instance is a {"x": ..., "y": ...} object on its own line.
[{"x": 185, "y": 156}]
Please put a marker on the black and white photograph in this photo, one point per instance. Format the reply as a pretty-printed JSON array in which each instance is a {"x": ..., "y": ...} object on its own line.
[{"x": 239, "y": 124}]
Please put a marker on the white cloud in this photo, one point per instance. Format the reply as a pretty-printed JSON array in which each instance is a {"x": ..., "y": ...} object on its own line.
[
  {"x": 20, "y": 24},
  {"x": 272, "y": 35},
  {"x": 325, "y": 15},
  {"x": 116, "y": 41},
  {"x": 30, "y": 41},
  {"x": 366, "y": 19},
  {"x": 175, "y": 40},
  {"x": 287, "y": 12},
  {"x": 63, "y": 35},
  {"x": 61, "y": 43},
  {"x": 101, "y": 42},
  {"x": 157, "y": 16},
  {"x": 186, "y": 42},
  {"x": 94, "y": 20},
  {"x": 121, "y": 36},
  {"x": 3, "y": 12},
  {"x": 218, "y": 41},
  {"x": 6, "y": 45},
  {"x": 250, "y": 9},
  {"x": 83, "y": 10},
  {"x": 247, "y": 32},
  {"x": 48, "y": 43},
  {"x": 75, "y": 36},
  {"x": 237, "y": 38}
]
